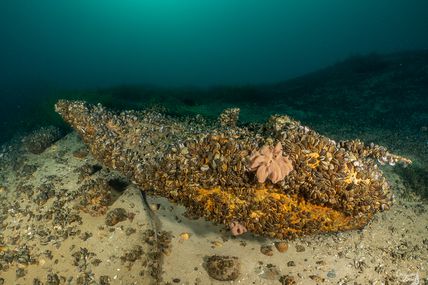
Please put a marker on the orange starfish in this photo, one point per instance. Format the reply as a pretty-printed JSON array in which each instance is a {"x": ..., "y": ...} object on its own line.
[{"x": 269, "y": 163}]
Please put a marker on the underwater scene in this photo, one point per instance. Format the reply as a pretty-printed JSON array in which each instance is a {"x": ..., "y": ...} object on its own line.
[{"x": 213, "y": 142}]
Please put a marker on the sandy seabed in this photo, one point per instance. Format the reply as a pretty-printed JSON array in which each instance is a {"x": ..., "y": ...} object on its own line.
[{"x": 49, "y": 236}]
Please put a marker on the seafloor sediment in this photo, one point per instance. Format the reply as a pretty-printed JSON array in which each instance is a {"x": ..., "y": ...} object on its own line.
[
  {"x": 334, "y": 186},
  {"x": 64, "y": 219}
]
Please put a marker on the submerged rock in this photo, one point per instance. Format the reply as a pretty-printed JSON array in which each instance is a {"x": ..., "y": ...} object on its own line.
[
  {"x": 223, "y": 268},
  {"x": 281, "y": 246},
  {"x": 266, "y": 250},
  {"x": 115, "y": 216},
  {"x": 333, "y": 186},
  {"x": 41, "y": 139}
]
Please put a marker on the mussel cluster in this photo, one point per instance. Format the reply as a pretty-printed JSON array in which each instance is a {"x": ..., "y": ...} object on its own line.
[
  {"x": 334, "y": 186},
  {"x": 40, "y": 139}
]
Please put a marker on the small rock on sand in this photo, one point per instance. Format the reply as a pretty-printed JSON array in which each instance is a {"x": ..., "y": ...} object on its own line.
[
  {"x": 223, "y": 268},
  {"x": 115, "y": 216}
]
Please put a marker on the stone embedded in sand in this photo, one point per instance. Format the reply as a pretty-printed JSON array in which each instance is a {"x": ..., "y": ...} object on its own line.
[
  {"x": 281, "y": 246},
  {"x": 41, "y": 139},
  {"x": 333, "y": 186},
  {"x": 115, "y": 216},
  {"x": 266, "y": 250},
  {"x": 223, "y": 268}
]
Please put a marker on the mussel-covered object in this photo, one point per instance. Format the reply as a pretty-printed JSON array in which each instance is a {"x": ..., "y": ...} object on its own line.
[{"x": 329, "y": 186}]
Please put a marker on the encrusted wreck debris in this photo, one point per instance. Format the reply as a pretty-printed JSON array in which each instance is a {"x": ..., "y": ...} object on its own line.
[{"x": 327, "y": 186}]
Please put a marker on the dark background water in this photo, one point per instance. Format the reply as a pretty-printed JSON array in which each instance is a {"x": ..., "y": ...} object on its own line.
[{"x": 102, "y": 43}]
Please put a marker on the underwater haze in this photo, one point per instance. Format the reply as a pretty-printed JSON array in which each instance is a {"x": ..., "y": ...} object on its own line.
[{"x": 105, "y": 43}]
